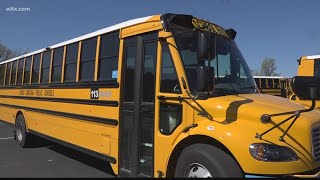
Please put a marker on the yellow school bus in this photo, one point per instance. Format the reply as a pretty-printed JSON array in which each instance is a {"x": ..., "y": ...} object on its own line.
[
  {"x": 273, "y": 85},
  {"x": 161, "y": 96},
  {"x": 309, "y": 66}
]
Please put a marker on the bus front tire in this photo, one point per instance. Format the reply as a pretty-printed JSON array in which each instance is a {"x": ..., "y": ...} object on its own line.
[
  {"x": 203, "y": 160},
  {"x": 22, "y": 136}
]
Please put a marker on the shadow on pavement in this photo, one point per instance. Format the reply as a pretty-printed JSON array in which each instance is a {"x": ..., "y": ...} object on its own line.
[
  {"x": 83, "y": 158},
  {"x": 86, "y": 159}
]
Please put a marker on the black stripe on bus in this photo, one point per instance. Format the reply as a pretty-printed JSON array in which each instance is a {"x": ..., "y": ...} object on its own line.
[
  {"x": 65, "y": 100},
  {"x": 75, "y": 147},
  {"x": 69, "y": 115},
  {"x": 66, "y": 85}
]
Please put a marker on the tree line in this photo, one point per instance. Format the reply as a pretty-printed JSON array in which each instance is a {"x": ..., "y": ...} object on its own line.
[
  {"x": 268, "y": 67},
  {"x": 7, "y": 53}
]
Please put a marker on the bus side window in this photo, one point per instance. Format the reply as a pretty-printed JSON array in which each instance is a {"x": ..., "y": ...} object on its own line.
[
  {"x": 257, "y": 82},
  {"x": 277, "y": 83},
  {"x": 170, "y": 117},
  {"x": 20, "y": 71},
  {"x": 26, "y": 79},
  {"x": 2, "y": 71},
  {"x": 316, "y": 68},
  {"x": 57, "y": 65},
  {"x": 45, "y": 67},
  {"x": 9, "y": 66},
  {"x": 263, "y": 83},
  {"x": 35, "y": 68},
  {"x": 270, "y": 83},
  {"x": 14, "y": 72},
  {"x": 70, "y": 68},
  {"x": 169, "y": 78},
  {"x": 87, "y": 60},
  {"x": 108, "y": 57}
]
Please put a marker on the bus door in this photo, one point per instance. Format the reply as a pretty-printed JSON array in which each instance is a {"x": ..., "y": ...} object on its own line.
[{"x": 137, "y": 108}]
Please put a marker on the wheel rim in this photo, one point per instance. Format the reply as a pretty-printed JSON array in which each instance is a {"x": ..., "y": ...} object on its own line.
[
  {"x": 19, "y": 131},
  {"x": 196, "y": 170}
]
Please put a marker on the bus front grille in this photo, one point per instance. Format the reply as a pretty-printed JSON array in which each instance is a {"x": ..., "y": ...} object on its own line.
[{"x": 315, "y": 135}]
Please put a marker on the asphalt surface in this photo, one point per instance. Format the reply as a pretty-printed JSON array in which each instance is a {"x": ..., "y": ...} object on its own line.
[{"x": 46, "y": 159}]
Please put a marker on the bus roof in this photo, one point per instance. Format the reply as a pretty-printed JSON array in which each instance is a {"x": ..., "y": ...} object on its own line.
[
  {"x": 86, "y": 36},
  {"x": 317, "y": 56},
  {"x": 269, "y": 77}
]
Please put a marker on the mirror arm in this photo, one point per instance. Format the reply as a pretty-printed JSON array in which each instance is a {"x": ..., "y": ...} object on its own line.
[
  {"x": 265, "y": 118},
  {"x": 313, "y": 104}
]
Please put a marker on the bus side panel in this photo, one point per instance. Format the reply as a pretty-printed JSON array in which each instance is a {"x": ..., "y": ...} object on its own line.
[
  {"x": 67, "y": 121},
  {"x": 7, "y": 114},
  {"x": 306, "y": 68},
  {"x": 90, "y": 135}
]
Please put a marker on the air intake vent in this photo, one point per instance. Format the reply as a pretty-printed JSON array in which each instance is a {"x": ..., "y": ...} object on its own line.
[{"x": 315, "y": 135}]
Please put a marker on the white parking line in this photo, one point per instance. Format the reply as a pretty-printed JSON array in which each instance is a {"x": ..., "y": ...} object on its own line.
[{"x": 6, "y": 138}]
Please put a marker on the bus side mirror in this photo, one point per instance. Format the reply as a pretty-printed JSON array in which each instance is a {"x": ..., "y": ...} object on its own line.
[
  {"x": 205, "y": 79},
  {"x": 306, "y": 87},
  {"x": 205, "y": 49}
]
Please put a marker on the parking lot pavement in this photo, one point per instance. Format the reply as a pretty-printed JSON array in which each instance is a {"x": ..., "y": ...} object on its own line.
[{"x": 47, "y": 159}]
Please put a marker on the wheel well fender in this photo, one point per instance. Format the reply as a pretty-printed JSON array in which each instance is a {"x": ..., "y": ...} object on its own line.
[
  {"x": 19, "y": 112},
  {"x": 190, "y": 140}
]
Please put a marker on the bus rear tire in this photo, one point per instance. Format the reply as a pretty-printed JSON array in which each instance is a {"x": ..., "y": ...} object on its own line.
[
  {"x": 202, "y": 160},
  {"x": 22, "y": 136}
]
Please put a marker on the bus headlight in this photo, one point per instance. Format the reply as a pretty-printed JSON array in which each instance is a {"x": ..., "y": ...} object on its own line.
[{"x": 272, "y": 153}]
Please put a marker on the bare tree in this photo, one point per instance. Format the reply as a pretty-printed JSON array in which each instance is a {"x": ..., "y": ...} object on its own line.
[
  {"x": 255, "y": 72},
  {"x": 6, "y": 53},
  {"x": 268, "y": 67}
]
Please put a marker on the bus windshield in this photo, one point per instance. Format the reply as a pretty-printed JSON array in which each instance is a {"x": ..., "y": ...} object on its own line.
[{"x": 232, "y": 74}]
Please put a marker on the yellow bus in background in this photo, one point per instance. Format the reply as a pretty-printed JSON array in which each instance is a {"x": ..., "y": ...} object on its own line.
[
  {"x": 160, "y": 96},
  {"x": 309, "y": 66},
  {"x": 273, "y": 85}
]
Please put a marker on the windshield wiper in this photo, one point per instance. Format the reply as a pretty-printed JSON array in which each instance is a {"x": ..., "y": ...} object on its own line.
[{"x": 226, "y": 90}]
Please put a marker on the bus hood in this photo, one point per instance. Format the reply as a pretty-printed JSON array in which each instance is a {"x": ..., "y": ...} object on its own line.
[
  {"x": 250, "y": 107},
  {"x": 236, "y": 123}
]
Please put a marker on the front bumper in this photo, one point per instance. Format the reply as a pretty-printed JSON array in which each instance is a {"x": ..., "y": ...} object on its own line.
[
  {"x": 309, "y": 174},
  {"x": 317, "y": 175}
]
